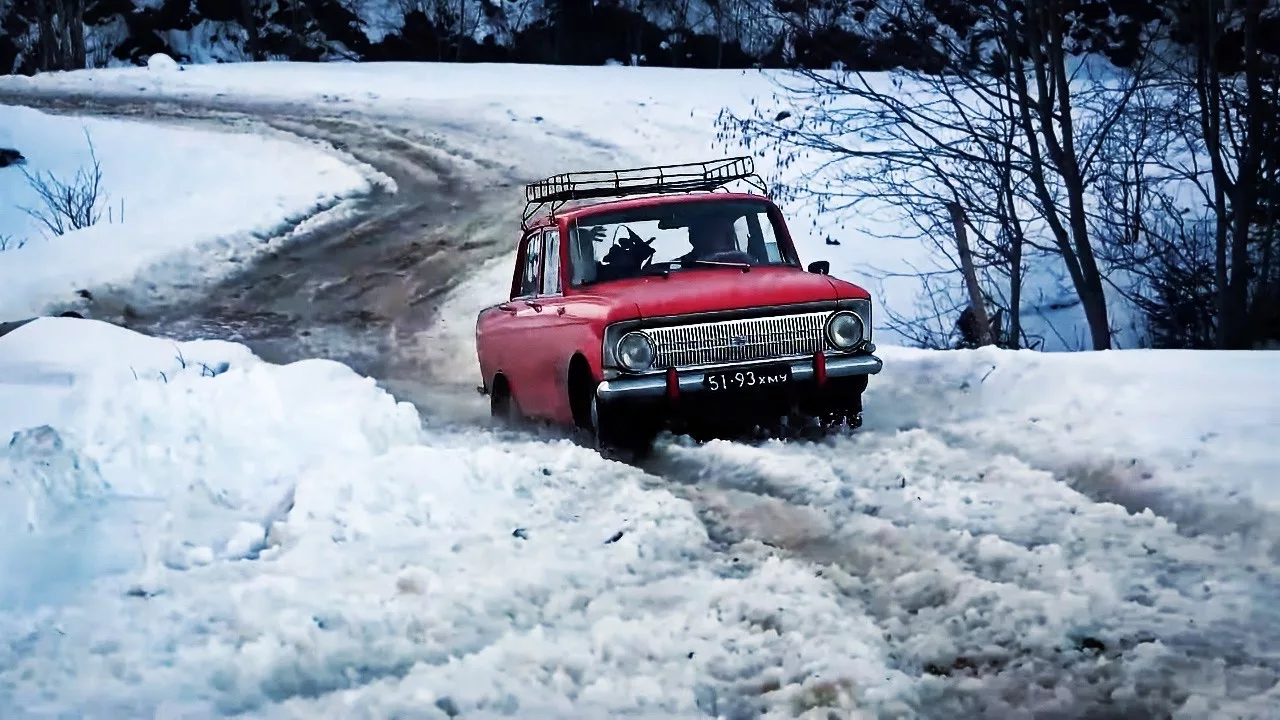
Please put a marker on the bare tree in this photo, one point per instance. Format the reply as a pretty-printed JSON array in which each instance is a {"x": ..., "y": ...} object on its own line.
[
  {"x": 1233, "y": 98},
  {"x": 1010, "y": 127}
]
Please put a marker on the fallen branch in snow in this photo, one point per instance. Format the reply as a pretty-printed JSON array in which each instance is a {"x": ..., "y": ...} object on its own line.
[
  {"x": 215, "y": 371},
  {"x": 73, "y": 205},
  {"x": 8, "y": 241}
]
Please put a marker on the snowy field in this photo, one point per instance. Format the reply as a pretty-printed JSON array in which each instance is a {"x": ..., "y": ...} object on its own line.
[
  {"x": 191, "y": 532},
  {"x": 178, "y": 206}
]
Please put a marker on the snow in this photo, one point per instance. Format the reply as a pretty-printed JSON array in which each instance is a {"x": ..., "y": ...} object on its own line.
[
  {"x": 177, "y": 203},
  {"x": 1011, "y": 534},
  {"x": 645, "y": 116},
  {"x": 293, "y": 538},
  {"x": 290, "y": 541},
  {"x": 159, "y": 62}
]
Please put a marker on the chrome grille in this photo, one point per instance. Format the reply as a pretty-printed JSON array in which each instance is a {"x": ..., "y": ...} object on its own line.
[{"x": 739, "y": 340}]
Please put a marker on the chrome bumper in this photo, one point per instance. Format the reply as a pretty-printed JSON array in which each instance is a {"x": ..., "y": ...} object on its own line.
[{"x": 690, "y": 381}]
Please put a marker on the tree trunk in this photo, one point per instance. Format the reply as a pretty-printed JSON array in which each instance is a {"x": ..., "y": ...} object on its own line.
[
  {"x": 250, "y": 23},
  {"x": 983, "y": 321},
  {"x": 47, "y": 45},
  {"x": 1048, "y": 63},
  {"x": 75, "y": 34},
  {"x": 1244, "y": 204}
]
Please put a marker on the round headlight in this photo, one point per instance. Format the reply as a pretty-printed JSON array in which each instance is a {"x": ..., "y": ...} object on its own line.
[
  {"x": 844, "y": 330},
  {"x": 635, "y": 351}
]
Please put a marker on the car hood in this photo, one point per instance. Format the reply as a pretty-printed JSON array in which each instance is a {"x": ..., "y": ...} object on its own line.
[{"x": 724, "y": 288}]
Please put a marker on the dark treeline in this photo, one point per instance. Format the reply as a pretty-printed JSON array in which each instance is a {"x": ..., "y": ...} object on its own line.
[
  {"x": 40, "y": 35},
  {"x": 1154, "y": 186}
]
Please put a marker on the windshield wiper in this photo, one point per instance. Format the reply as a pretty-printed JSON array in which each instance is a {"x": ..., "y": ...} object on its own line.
[{"x": 717, "y": 263}]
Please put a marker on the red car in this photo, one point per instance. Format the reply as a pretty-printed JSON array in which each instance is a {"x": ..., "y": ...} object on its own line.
[{"x": 654, "y": 298}]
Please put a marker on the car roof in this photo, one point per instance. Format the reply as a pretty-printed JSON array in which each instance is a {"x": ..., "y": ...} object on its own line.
[{"x": 577, "y": 209}]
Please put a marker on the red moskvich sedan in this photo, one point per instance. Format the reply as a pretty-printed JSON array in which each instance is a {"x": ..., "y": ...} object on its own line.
[{"x": 654, "y": 298}]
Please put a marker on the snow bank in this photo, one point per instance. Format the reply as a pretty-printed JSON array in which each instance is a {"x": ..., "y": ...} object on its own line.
[
  {"x": 178, "y": 205},
  {"x": 1191, "y": 435},
  {"x": 235, "y": 536}
]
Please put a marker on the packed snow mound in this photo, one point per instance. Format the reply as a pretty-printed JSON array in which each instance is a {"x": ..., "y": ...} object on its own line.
[{"x": 160, "y": 62}]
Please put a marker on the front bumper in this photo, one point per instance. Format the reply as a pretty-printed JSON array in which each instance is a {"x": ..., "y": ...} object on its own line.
[{"x": 804, "y": 372}]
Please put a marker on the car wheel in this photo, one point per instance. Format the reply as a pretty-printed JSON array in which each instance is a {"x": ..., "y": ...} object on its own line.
[
  {"x": 503, "y": 409},
  {"x": 618, "y": 437}
]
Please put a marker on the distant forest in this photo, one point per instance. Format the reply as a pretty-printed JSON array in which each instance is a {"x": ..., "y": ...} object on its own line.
[{"x": 38, "y": 35}]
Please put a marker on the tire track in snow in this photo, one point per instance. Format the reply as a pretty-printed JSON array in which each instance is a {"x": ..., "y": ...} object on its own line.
[{"x": 1003, "y": 589}]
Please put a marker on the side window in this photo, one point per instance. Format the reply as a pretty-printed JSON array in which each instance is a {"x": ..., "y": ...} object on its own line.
[
  {"x": 770, "y": 241},
  {"x": 532, "y": 266},
  {"x": 759, "y": 226},
  {"x": 742, "y": 232},
  {"x": 551, "y": 268}
]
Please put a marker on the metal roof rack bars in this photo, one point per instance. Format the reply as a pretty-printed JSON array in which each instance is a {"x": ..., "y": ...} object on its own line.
[{"x": 686, "y": 177}]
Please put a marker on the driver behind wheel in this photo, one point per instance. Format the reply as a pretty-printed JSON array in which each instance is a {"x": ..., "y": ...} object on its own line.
[{"x": 709, "y": 237}]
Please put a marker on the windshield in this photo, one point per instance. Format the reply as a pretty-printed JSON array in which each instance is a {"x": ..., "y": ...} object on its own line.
[{"x": 675, "y": 236}]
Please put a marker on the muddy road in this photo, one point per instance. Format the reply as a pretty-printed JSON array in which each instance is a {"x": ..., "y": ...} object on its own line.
[{"x": 363, "y": 287}]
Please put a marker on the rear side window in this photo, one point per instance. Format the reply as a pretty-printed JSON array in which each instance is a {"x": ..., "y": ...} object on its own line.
[{"x": 532, "y": 276}]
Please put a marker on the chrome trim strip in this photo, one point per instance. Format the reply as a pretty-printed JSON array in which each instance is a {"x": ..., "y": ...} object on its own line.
[{"x": 655, "y": 385}]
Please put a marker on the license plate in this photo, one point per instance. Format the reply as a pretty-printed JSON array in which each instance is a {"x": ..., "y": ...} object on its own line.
[{"x": 747, "y": 378}]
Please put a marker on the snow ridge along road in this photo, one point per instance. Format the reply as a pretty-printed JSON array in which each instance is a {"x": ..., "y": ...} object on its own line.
[{"x": 951, "y": 560}]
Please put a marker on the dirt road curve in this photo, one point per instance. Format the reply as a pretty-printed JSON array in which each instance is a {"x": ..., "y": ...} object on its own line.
[{"x": 357, "y": 289}]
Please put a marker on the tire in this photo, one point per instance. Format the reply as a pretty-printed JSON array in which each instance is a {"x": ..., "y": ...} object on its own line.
[
  {"x": 503, "y": 408},
  {"x": 616, "y": 438},
  {"x": 844, "y": 408}
]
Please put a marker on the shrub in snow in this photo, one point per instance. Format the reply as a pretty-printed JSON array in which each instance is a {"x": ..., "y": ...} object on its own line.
[{"x": 67, "y": 205}]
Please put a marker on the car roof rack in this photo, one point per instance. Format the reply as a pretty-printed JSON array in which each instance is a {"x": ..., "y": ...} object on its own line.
[{"x": 682, "y": 178}]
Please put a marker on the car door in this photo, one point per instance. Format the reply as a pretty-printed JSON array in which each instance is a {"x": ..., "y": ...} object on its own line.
[
  {"x": 549, "y": 347},
  {"x": 507, "y": 326}
]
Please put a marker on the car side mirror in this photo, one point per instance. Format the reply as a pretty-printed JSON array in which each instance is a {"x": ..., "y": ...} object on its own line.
[{"x": 820, "y": 267}]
